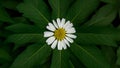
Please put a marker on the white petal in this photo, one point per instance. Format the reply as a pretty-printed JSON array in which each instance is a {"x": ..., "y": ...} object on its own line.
[
  {"x": 59, "y": 45},
  {"x": 48, "y": 27},
  {"x": 52, "y": 26},
  {"x": 71, "y": 24},
  {"x": 50, "y": 40},
  {"x": 71, "y": 30},
  {"x": 64, "y": 45},
  {"x": 58, "y": 22},
  {"x": 71, "y": 35},
  {"x": 54, "y": 44},
  {"x": 62, "y": 22},
  {"x": 48, "y": 34},
  {"x": 66, "y": 24},
  {"x": 55, "y": 24},
  {"x": 69, "y": 39},
  {"x": 66, "y": 42}
]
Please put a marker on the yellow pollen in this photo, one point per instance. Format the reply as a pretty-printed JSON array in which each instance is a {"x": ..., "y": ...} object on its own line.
[{"x": 60, "y": 34}]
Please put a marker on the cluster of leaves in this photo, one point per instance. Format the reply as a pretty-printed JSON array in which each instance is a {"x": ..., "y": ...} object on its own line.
[{"x": 22, "y": 24}]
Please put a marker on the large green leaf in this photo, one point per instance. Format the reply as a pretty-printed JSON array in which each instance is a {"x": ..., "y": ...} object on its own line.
[
  {"x": 119, "y": 13},
  {"x": 10, "y": 4},
  {"x": 37, "y": 11},
  {"x": 110, "y": 1},
  {"x": 103, "y": 17},
  {"x": 4, "y": 56},
  {"x": 32, "y": 56},
  {"x": 4, "y": 16},
  {"x": 81, "y": 9},
  {"x": 76, "y": 62},
  {"x": 118, "y": 56},
  {"x": 90, "y": 56},
  {"x": 98, "y": 30},
  {"x": 23, "y": 28},
  {"x": 59, "y": 7},
  {"x": 60, "y": 59},
  {"x": 99, "y": 39},
  {"x": 7, "y": 65},
  {"x": 109, "y": 54},
  {"x": 45, "y": 65},
  {"x": 25, "y": 38},
  {"x": 20, "y": 39},
  {"x": 71, "y": 65},
  {"x": 21, "y": 20}
]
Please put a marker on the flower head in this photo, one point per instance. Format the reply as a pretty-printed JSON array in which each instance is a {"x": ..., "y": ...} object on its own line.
[{"x": 60, "y": 34}]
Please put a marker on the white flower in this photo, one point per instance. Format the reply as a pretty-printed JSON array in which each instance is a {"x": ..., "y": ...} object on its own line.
[{"x": 60, "y": 34}]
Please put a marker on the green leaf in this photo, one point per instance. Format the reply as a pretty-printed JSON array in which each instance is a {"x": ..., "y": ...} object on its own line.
[
  {"x": 119, "y": 13},
  {"x": 116, "y": 37},
  {"x": 24, "y": 38},
  {"x": 109, "y": 54},
  {"x": 6, "y": 65},
  {"x": 23, "y": 28},
  {"x": 103, "y": 17},
  {"x": 10, "y": 4},
  {"x": 98, "y": 30},
  {"x": 90, "y": 56},
  {"x": 4, "y": 16},
  {"x": 60, "y": 59},
  {"x": 71, "y": 65},
  {"x": 21, "y": 20},
  {"x": 20, "y": 39},
  {"x": 76, "y": 62},
  {"x": 32, "y": 56},
  {"x": 98, "y": 39},
  {"x": 4, "y": 56},
  {"x": 118, "y": 56},
  {"x": 37, "y": 11},
  {"x": 81, "y": 9},
  {"x": 110, "y": 1},
  {"x": 59, "y": 7},
  {"x": 45, "y": 65}
]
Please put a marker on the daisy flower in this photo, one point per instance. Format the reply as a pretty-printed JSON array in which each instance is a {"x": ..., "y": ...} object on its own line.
[{"x": 60, "y": 34}]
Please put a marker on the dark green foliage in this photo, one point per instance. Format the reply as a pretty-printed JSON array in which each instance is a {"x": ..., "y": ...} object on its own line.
[
  {"x": 60, "y": 59},
  {"x": 4, "y": 16},
  {"x": 23, "y": 22},
  {"x": 89, "y": 55},
  {"x": 33, "y": 55}
]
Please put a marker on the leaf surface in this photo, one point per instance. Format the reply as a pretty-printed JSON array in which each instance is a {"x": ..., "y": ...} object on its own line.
[
  {"x": 98, "y": 30},
  {"x": 24, "y": 38},
  {"x": 118, "y": 56},
  {"x": 37, "y": 11},
  {"x": 32, "y": 56},
  {"x": 76, "y": 62},
  {"x": 109, "y": 54},
  {"x": 90, "y": 56},
  {"x": 4, "y": 16},
  {"x": 59, "y": 8},
  {"x": 23, "y": 28},
  {"x": 98, "y": 39},
  {"x": 60, "y": 59},
  {"x": 4, "y": 56},
  {"x": 103, "y": 17},
  {"x": 10, "y": 4},
  {"x": 81, "y": 9},
  {"x": 110, "y": 1}
]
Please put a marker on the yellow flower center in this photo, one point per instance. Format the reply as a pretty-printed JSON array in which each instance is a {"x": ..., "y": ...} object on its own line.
[{"x": 60, "y": 34}]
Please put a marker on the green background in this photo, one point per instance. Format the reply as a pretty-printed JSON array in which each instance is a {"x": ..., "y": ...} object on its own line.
[{"x": 23, "y": 22}]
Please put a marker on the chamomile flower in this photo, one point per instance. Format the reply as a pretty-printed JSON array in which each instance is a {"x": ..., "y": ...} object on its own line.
[{"x": 60, "y": 34}]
